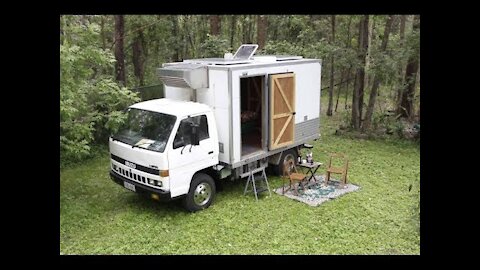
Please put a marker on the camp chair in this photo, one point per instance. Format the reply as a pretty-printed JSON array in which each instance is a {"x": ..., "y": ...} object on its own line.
[
  {"x": 290, "y": 172},
  {"x": 337, "y": 170}
]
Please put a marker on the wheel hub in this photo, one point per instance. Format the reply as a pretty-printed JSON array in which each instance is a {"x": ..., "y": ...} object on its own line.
[{"x": 202, "y": 194}]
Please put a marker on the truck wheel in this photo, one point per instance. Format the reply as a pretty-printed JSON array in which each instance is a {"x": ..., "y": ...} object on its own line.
[
  {"x": 290, "y": 154},
  {"x": 201, "y": 193}
]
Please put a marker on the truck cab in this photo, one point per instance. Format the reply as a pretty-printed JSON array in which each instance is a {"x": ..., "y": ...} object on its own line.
[{"x": 164, "y": 149}]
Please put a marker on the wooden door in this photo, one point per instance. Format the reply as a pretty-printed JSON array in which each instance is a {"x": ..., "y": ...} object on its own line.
[{"x": 282, "y": 110}]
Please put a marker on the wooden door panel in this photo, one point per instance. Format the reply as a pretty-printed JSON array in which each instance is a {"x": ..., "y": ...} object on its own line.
[{"x": 282, "y": 110}]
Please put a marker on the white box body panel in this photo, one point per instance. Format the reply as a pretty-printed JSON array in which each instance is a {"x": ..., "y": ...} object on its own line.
[
  {"x": 307, "y": 92},
  {"x": 223, "y": 96}
]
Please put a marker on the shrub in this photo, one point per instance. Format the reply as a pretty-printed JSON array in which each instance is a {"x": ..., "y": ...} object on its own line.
[
  {"x": 214, "y": 46},
  {"x": 91, "y": 103}
]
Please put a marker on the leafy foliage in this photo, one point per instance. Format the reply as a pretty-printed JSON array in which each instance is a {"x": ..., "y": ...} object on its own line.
[
  {"x": 90, "y": 102},
  {"x": 214, "y": 46}
]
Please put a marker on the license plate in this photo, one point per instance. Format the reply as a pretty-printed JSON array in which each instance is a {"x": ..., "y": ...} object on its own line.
[{"x": 129, "y": 186}]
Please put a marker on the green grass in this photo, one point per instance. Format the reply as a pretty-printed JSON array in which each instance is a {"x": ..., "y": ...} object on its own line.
[{"x": 98, "y": 216}]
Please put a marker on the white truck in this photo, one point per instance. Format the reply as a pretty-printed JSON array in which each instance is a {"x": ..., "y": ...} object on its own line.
[{"x": 220, "y": 119}]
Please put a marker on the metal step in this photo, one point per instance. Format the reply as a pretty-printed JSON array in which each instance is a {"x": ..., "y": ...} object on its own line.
[
  {"x": 262, "y": 189},
  {"x": 254, "y": 171},
  {"x": 258, "y": 182},
  {"x": 259, "y": 178}
]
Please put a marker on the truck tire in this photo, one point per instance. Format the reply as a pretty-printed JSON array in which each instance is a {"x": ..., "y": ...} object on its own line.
[
  {"x": 201, "y": 194},
  {"x": 286, "y": 155}
]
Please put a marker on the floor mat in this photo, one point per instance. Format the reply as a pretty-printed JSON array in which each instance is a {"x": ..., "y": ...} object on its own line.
[{"x": 317, "y": 192}]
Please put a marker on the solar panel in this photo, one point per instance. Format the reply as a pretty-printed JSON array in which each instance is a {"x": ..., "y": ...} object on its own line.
[{"x": 245, "y": 51}]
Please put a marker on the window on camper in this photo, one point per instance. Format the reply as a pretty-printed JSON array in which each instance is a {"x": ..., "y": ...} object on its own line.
[{"x": 182, "y": 138}]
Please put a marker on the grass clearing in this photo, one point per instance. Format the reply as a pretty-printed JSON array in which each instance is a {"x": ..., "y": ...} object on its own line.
[{"x": 98, "y": 216}]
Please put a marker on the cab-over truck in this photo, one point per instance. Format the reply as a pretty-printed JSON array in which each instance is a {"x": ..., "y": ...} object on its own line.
[{"x": 220, "y": 119}]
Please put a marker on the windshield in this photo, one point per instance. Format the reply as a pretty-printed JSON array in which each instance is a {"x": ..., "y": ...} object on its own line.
[{"x": 146, "y": 129}]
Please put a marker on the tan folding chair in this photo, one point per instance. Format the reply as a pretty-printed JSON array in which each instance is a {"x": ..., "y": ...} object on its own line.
[
  {"x": 290, "y": 172},
  {"x": 337, "y": 170}
]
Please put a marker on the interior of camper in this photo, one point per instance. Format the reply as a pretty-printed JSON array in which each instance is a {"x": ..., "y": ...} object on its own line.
[{"x": 252, "y": 95}]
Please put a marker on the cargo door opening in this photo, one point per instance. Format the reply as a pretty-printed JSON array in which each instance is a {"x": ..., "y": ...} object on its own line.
[{"x": 251, "y": 114}]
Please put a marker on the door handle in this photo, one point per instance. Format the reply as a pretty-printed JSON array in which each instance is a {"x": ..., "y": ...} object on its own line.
[{"x": 211, "y": 152}]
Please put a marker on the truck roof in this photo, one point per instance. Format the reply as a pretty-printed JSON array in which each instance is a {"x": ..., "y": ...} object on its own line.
[
  {"x": 260, "y": 60},
  {"x": 174, "y": 107}
]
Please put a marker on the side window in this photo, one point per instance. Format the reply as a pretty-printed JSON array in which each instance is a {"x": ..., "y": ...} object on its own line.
[
  {"x": 203, "y": 127},
  {"x": 182, "y": 138}
]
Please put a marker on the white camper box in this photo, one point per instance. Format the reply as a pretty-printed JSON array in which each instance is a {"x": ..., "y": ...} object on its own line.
[{"x": 283, "y": 92}]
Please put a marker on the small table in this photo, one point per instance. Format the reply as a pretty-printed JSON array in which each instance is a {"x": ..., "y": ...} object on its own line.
[{"x": 312, "y": 169}]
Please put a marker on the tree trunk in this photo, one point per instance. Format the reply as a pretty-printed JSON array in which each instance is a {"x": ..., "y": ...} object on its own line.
[
  {"x": 332, "y": 71},
  {"x": 406, "y": 105},
  {"x": 403, "y": 19},
  {"x": 371, "y": 24},
  {"x": 247, "y": 29},
  {"x": 261, "y": 31},
  {"x": 275, "y": 31},
  {"x": 342, "y": 79},
  {"x": 215, "y": 25},
  {"x": 232, "y": 30},
  {"x": 83, "y": 19},
  {"x": 354, "y": 84},
  {"x": 204, "y": 28},
  {"x": 249, "y": 33},
  {"x": 62, "y": 26},
  {"x": 348, "y": 45},
  {"x": 243, "y": 23},
  {"x": 138, "y": 57},
  {"x": 102, "y": 32},
  {"x": 175, "y": 34},
  {"x": 188, "y": 36},
  {"x": 349, "y": 76},
  {"x": 349, "y": 37},
  {"x": 371, "y": 27},
  {"x": 376, "y": 82},
  {"x": 119, "y": 53},
  {"x": 357, "y": 100}
]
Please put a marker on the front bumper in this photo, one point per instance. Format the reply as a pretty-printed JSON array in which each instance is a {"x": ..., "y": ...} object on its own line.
[{"x": 139, "y": 188}]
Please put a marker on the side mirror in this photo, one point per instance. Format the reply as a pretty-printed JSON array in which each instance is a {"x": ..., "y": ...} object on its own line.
[{"x": 194, "y": 135}]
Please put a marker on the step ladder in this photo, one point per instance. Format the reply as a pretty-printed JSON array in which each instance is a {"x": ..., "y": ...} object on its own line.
[{"x": 258, "y": 182}]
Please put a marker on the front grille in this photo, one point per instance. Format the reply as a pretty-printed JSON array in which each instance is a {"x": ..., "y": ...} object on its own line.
[{"x": 133, "y": 176}]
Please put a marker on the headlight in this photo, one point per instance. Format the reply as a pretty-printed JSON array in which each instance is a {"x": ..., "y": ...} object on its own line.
[{"x": 154, "y": 182}]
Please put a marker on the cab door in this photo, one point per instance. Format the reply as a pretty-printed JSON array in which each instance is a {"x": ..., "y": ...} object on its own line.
[{"x": 185, "y": 159}]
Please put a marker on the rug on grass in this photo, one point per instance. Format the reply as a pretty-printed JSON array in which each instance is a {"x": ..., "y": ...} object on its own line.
[{"x": 317, "y": 192}]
